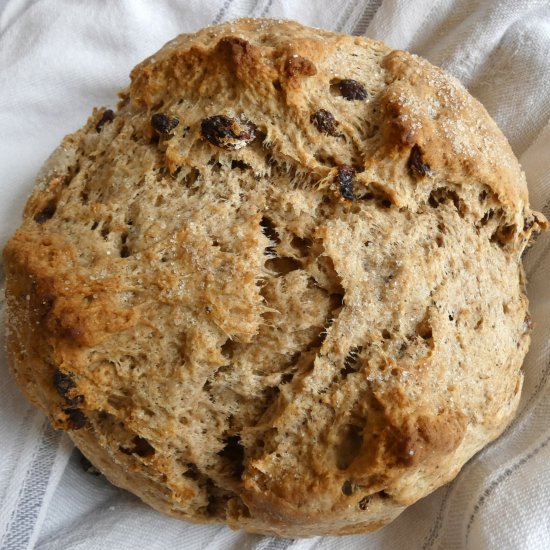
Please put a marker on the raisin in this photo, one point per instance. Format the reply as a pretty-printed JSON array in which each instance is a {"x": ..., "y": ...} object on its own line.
[
  {"x": 227, "y": 133},
  {"x": 46, "y": 213},
  {"x": 76, "y": 418},
  {"x": 345, "y": 179},
  {"x": 164, "y": 124},
  {"x": 325, "y": 122},
  {"x": 347, "y": 488},
  {"x": 107, "y": 116},
  {"x": 63, "y": 383},
  {"x": 417, "y": 167},
  {"x": 352, "y": 90}
]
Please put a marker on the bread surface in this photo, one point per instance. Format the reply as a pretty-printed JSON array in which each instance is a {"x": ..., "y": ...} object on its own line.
[{"x": 280, "y": 286}]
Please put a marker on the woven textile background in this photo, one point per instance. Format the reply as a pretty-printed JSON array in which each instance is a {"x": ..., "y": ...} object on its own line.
[{"x": 59, "y": 58}]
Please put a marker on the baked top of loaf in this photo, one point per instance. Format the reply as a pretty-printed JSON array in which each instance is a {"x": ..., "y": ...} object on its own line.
[{"x": 280, "y": 286}]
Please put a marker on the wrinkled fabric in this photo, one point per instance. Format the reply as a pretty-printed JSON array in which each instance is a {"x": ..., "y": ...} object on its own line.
[{"x": 60, "y": 58}]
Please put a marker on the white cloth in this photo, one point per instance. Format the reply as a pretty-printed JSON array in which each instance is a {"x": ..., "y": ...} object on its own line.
[{"x": 60, "y": 58}]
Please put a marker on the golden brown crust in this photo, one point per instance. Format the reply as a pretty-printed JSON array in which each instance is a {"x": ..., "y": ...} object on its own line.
[
  {"x": 280, "y": 287},
  {"x": 424, "y": 106}
]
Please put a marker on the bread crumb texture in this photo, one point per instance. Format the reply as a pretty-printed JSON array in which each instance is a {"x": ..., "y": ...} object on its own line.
[{"x": 280, "y": 286}]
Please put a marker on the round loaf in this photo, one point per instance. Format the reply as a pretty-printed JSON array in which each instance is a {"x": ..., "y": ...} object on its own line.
[{"x": 280, "y": 286}]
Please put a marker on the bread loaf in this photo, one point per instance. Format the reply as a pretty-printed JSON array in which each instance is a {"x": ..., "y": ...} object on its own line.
[{"x": 280, "y": 286}]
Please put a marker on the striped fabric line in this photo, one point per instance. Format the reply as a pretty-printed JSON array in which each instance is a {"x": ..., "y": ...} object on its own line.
[
  {"x": 355, "y": 18},
  {"x": 21, "y": 518},
  {"x": 508, "y": 472},
  {"x": 265, "y": 10},
  {"x": 223, "y": 10},
  {"x": 370, "y": 8},
  {"x": 274, "y": 543},
  {"x": 438, "y": 521}
]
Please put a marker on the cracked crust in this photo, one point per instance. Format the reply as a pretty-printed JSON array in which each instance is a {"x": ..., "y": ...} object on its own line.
[{"x": 280, "y": 287}]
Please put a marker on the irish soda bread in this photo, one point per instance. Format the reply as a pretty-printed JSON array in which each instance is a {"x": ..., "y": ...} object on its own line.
[{"x": 280, "y": 287}]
